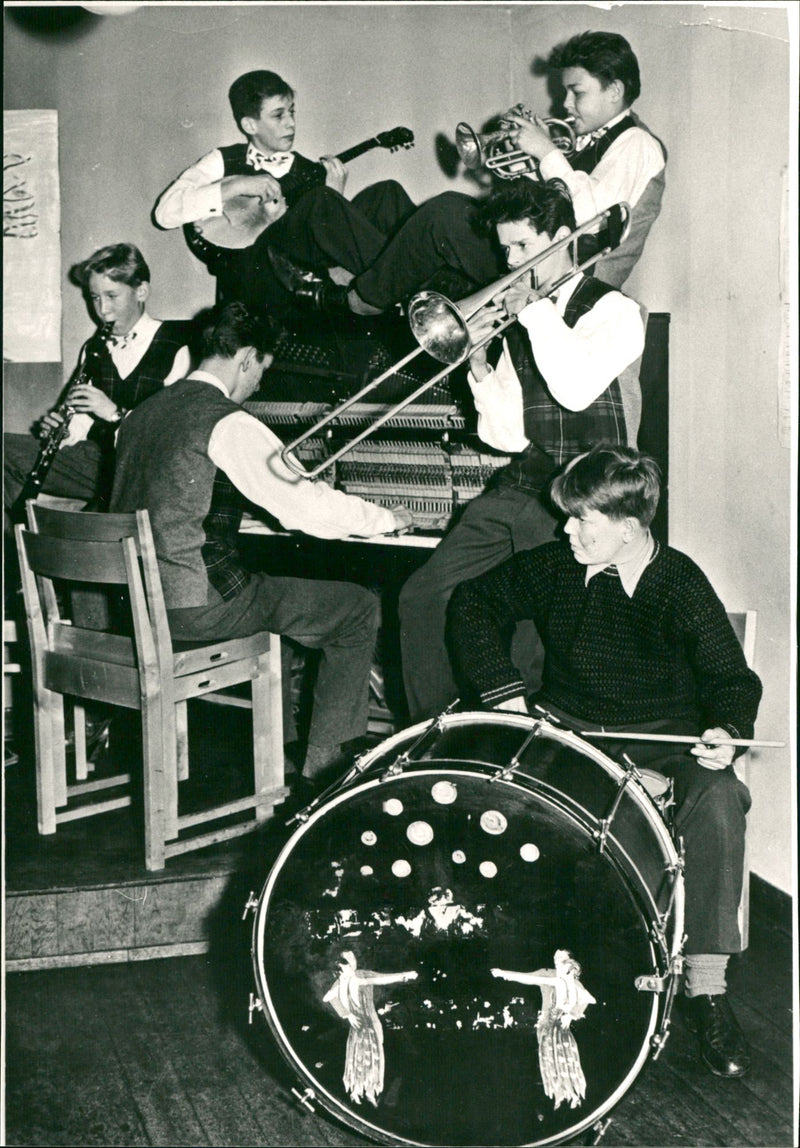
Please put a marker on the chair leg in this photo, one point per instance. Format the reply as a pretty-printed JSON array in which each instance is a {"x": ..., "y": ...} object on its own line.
[
  {"x": 155, "y": 784},
  {"x": 43, "y": 703},
  {"x": 59, "y": 749},
  {"x": 182, "y": 740},
  {"x": 268, "y": 727},
  {"x": 79, "y": 730}
]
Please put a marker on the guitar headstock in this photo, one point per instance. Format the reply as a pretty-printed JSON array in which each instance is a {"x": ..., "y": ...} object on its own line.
[{"x": 396, "y": 138}]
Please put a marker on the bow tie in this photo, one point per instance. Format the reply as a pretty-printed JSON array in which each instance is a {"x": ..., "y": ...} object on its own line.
[
  {"x": 120, "y": 342},
  {"x": 590, "y": 137},
  {"x": 276, "y": 164}
]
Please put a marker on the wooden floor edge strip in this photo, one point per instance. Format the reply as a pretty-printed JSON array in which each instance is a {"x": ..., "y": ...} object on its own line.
[{"x": 106, "y": 957}]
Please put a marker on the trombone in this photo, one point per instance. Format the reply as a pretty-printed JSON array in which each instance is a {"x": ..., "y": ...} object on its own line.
[
  {"x": 440, "y": 326},
  {"x": 495, "y": 152}
]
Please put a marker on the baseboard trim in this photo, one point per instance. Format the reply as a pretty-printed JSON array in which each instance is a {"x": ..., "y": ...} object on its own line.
[
  {"x": 106, "y": 957},
  {"x": 771, "y": 905}
]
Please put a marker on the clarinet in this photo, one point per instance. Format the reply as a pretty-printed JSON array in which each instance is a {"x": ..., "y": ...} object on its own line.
[{"x": 52, "y": 442}]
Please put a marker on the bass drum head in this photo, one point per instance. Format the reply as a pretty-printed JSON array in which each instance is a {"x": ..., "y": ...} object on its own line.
[{"x": 376, "y": 936}]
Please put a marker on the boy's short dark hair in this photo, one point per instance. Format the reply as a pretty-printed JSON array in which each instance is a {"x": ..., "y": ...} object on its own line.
[
  {"x": 616, "y": 480},
  {"x": 605, "y": 55},
  {"x": 121, "y": 262},
  {"x": 546, "y": 205},
  {"x": 225, "y": 330},
  {"x": 248, "y": 92}
]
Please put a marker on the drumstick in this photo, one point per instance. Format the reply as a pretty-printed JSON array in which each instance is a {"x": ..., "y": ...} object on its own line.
[{"x": 686, "y": 739}]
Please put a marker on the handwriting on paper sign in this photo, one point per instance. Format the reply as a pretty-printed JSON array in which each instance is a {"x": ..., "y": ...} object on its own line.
[{"x": 20, "y": 217}]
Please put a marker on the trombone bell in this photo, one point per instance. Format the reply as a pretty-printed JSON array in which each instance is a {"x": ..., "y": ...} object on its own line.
[{"x": 440, "y": 326}]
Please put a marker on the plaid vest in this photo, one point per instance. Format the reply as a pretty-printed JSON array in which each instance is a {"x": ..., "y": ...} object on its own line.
[
  {"x": 145, "y": 379},
  {"x": 555, "y": 434}
]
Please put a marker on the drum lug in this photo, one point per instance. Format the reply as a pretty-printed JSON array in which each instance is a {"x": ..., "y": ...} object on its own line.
[
  {"x": 659, "y": 1040},
  {"x": 305, "y": 1097},
  {"x": 255, "y": 1005},
  {"x": 600, "y": 1129},
  {"x": 396, "y": 768},
  {"x": 251, "y": 904},
  {"x": 652, "y": 983}
]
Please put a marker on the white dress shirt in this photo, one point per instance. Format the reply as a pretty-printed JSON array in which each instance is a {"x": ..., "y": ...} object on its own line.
[
  {"x": 197, "y": 192},
  {"x": 622, "y": 175},
  {"x": 250, "y": 455},
  {"x": 126, "y": 357},
  {"x": 577, "y": 363}
]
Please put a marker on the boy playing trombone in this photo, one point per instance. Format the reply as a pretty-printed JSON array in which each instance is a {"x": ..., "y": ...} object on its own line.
[{"x": 552, "y": 393}]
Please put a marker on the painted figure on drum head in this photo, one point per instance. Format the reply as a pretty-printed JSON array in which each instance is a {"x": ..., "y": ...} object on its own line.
[
  {"x": 564, "y": 999},
  {"x": 351, "y": 996}
]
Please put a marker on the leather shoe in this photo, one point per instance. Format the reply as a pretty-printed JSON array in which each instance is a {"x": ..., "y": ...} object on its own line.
[
  {"x": 723, "y": 1047},
  {"x": 321, "y": 295}
]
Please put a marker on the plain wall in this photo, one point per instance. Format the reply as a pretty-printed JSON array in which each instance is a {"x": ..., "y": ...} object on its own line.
[{"x": 141, "y": 96}]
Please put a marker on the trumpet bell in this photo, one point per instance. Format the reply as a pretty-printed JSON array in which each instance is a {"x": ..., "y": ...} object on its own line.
[{"x": 468, "y": 146}]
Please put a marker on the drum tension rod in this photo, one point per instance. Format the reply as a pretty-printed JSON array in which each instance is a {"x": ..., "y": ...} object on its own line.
[
  {"x": 256, "y": 1005},
  {"x": 434, "y": 728},
  {"x": 305, "y": 1097},
  {"x": 678, "y": 867},
  {"x": 503, "y": 772},
  {"x": 251, "y": 904},
  {"x": 600, "y": 1129},
  {"x": 631, "y": 774}
]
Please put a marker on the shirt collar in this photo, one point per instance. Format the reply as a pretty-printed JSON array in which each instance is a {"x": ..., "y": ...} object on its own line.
[
  {"x": 207, "y": 377},
  {"x": 565, "y": 292},
  {"x": 583, "y": 140},
  {"x": 144, "y": 328},
  {"x": 276, "y": 164},
  {"x": 630, "y": 571}
]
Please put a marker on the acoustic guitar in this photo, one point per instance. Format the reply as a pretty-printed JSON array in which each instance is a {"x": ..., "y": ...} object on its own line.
[{"x": 245, "y": 217}]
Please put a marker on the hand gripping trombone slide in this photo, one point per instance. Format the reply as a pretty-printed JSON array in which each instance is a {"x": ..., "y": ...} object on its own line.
[{"x": 440, "y": 326}]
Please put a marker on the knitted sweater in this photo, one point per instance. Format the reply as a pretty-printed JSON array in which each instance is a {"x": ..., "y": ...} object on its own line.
[{"x": 667, "y": 652}]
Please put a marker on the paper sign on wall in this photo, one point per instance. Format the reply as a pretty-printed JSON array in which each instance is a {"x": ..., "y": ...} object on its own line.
[{"x": 31, "y": 238}]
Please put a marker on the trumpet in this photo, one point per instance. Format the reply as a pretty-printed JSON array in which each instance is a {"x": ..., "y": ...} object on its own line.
[
  {"x": 441, "y": 327},
  {"x": 495, "y": 151}
]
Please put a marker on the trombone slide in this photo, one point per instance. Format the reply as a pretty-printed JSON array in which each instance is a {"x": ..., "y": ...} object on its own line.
[{"x": 450, "y": 342}]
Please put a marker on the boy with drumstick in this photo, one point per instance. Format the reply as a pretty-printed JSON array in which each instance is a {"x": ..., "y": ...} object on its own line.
[{"x": 636, "y": 641}]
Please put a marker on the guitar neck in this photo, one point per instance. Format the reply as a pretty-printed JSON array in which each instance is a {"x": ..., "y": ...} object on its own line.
[{"x": 357, "y": 150}]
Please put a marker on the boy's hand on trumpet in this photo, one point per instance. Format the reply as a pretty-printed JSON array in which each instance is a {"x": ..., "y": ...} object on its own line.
[{"x": 529, "y": 135}]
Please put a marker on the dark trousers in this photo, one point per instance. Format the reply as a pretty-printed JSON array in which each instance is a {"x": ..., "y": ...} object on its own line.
[
  {"x": 710, "y": 815},
  {"x": 492, "y": 528},
  {"x": 340, "y": 619},
  {"x": 321, "y": 230},
  {"x": 81, "y": 471},
  {"x": 441, "y": 235}
]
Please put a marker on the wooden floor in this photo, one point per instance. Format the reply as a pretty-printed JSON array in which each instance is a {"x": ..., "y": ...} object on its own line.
[{"x": 160, "y": 1052}]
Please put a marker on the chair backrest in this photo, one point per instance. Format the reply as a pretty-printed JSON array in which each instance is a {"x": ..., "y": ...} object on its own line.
[
  {"x": 79, "y": 547},
  {"x": 744, "y": 627}
]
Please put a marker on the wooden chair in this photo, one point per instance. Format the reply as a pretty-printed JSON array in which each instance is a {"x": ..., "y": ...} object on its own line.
[
  {"x": 87, "y": 656},
  {"x": 744, "y": 626}
]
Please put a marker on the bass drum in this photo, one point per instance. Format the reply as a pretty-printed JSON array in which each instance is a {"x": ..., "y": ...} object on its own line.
[{"x": 475, "y": 939}]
